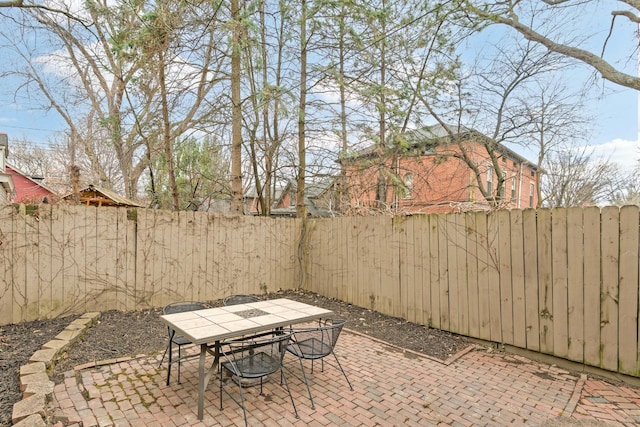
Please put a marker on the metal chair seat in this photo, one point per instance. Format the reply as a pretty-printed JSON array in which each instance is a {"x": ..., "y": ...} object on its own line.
[
  {"x": 310, "y": 349},
  {"x": 239, "y": 299},
  {"x": 254, "y": 358}
]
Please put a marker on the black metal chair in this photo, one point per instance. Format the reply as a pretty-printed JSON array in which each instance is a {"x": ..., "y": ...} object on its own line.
[
  {"x": 317, "y": 343},
  {"x": 178, "y": 307},
  {"x": 239, "y": 299},
  {"x": 252, "y": 359}
]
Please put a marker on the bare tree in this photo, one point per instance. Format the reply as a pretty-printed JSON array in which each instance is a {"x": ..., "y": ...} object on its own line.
[
  {"x": 557, "y": 120},
  {"x": 108, "y": 75},
  {"x": 562, "y": 14},
  {"x": 575, "y": 178}
]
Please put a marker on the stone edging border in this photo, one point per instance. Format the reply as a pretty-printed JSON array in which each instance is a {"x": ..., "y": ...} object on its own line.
[
  {"x": 36, "y": 387},
  {"x": 413, "y": 353}
]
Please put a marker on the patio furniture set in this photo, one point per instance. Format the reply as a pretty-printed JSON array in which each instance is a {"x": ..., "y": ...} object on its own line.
[{"x": 248, "y": 339}]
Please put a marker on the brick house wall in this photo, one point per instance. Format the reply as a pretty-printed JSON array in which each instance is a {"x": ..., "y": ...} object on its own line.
[{"x": 436, "y": 180}]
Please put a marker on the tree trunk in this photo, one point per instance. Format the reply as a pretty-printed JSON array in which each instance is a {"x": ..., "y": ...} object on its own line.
[
  {"x": 236, "y": 114},
  {"x": 301, "y": 208}
]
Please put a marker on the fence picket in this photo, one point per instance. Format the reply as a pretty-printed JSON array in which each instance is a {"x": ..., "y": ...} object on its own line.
[
  {"x": 592, "y": 269},
  {"x": 628, "y": 296},
  {"x": 610, "y": 297},
  {"x": 559, "y": 265},
  {"x": 484, "y": 300},
  {"x": 471, "y": 228},
  {"x": 518, "y": 280},
  {"x": 575, "y": 294},
  {"x": 545, "y": 284},
  {"x": 531, "y": 284},
  {"x": 504, "y": 263}
]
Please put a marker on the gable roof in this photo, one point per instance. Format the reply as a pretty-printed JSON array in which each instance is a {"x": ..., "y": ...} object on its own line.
[
  {"x": 28, "y": 187},
  {"x": 438, "y": 132},
  {"x": 92, "y": 195},
  {"x": 313, "y": 190}
]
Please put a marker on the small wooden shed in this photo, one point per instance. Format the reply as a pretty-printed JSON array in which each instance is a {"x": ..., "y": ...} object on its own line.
[{"x": 93, "y": 195}]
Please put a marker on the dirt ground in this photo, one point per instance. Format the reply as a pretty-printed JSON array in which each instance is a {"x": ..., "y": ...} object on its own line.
[{"x": 121, "y": 334}]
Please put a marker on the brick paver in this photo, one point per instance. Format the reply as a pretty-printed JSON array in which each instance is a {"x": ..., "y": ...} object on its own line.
[{"x": 391, "y": 387}]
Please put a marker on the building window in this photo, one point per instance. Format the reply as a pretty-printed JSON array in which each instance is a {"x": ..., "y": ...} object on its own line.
[
  {"x": 489, "y": 180},
  {"x": 408, "y": 186},
  {"x": 513, "y": 188},
  {"x": 531, "y": 190}
]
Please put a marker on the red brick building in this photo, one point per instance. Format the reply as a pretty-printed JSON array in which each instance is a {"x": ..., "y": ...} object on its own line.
[{"x": 433, "y": 172}]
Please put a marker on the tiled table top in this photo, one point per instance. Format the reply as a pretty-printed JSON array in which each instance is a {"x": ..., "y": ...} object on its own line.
[{"x": 214, "y": 324}]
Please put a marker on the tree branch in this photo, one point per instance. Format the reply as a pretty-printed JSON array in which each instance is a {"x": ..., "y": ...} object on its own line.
[
  {"x": 607, "y": 71},
  {"x": 628, "y": 14}
]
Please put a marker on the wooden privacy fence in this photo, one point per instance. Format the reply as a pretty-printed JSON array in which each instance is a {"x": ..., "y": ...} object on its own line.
[
  {"x": 562, "y": 282},
  {"x": 68, "y": 259}
]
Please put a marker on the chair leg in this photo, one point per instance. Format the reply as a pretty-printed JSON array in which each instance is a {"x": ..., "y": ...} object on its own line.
[
  {"x": 244, "y": 410},
  {"x": 163, "y": 356},
  {"x": 342, "y": 370},
  {"x": 306, "y": 382},
  {"x": 295, "y": 410}
]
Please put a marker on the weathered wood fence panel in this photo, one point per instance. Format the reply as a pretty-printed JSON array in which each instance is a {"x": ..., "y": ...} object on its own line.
[
  {"x": 70, "y": 259},
  {"x": 563, "y": 282}
]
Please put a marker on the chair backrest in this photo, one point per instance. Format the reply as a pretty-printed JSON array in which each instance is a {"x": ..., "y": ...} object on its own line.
[
  {"x": 182, "y": 306},
  {"x": 333, "y": 327},
  {"x": 319, "y": 341},
  {"x": 256, "y": 357},
  {"x": 239, "y": 299}
]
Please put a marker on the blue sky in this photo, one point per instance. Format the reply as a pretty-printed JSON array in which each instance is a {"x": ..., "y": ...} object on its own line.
[{"x": 615, "y": 109}]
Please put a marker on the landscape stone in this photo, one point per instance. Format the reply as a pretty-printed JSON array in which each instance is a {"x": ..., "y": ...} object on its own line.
[
  {"x": 31, "y": 405},
  {"x": 46, "y": 356},
  {"x": 55, "y": 344},
  {"x": 39, "y": 377},
  {"x": 81, "y": 321},
  {"x": 70, "y": 335},
  {"x": 33, "y": 368},
  {"x": 34, "y": 420},
  {"x": 45, "y": 388},
  {"x": 94, "y": 316}
]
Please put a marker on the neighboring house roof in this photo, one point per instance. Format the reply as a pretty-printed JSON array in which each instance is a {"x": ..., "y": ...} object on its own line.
[
  {"x": 313, "y": 191},
  {"x": 251, "y": 193},
  {"x": 439, "y": 132},
  {"x": 93, "y": 195},
  {"x": 28, "y": 189}
]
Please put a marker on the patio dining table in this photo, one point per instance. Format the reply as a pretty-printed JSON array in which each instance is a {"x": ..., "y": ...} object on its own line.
[{"x": 209, "y": 327}]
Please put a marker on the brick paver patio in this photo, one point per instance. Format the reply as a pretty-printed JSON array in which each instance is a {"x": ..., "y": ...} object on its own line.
[{"x": 392, "y": 387}]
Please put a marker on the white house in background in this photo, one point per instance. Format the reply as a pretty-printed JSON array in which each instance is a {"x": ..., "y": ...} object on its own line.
[{"x": 7, "y": 188}]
